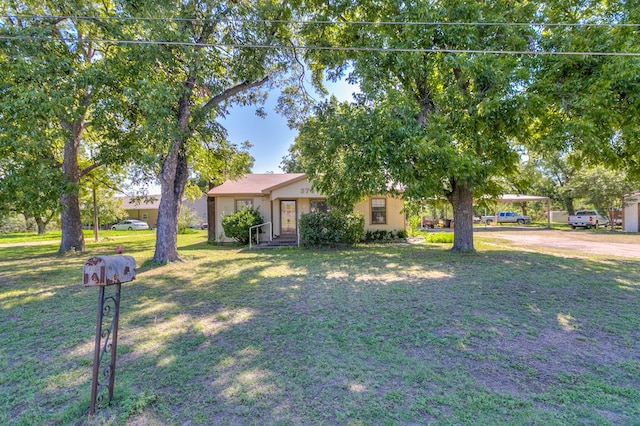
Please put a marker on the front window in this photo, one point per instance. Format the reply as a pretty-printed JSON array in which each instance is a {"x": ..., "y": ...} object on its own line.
[
  {"x": 379, "y": 211},
  {"x": 241, "y": 204},
  {"x": 319, "y": 206}
]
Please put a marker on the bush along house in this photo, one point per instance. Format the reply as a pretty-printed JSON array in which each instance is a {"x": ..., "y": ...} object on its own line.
[{"x": 282, "y": 198}]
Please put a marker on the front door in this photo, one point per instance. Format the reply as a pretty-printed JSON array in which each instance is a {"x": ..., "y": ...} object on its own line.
[{"x": 288, "y": 224}]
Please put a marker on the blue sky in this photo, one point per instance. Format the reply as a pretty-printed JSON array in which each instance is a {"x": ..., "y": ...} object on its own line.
[{"x": 270, "y": 136}]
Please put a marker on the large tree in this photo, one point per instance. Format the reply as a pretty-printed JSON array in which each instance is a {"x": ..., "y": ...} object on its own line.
[
  {"x": 195, "y": 66},
  {"x": 59, "y": 84},
  {"x": 437, "y": 122}
]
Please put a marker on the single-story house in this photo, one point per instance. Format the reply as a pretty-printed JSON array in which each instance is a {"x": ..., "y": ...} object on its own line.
[
  {"x": 145, "y": 208},
  {"x": 631, "y": 213},
  {"x": 283, "y": 198}
]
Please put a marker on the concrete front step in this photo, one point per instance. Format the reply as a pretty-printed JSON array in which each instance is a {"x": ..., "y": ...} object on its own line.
[{"x": 279, "y": 242}]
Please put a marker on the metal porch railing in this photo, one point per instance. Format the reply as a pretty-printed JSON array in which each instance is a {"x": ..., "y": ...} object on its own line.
[{"x": 257, "y": 227}]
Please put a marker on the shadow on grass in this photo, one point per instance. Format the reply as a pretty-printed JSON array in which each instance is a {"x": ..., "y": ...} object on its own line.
[{"x": 372, "y": 335}]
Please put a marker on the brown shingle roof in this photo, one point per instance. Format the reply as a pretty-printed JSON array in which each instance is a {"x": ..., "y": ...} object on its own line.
[{"x": 255, "y": 184}]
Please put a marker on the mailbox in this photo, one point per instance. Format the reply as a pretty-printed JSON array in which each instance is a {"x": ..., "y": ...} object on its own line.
[{"x": 108, "y": 270}]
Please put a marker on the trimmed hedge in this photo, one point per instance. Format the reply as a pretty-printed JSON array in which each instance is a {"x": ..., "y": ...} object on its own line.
[
  {"x": 236, "y": 225},
  {"x": 333, "y": 227},
  {"x": 382, "y": 235}
]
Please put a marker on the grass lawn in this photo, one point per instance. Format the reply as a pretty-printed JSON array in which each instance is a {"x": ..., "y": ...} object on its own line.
[{"x": 381, "y": 334}]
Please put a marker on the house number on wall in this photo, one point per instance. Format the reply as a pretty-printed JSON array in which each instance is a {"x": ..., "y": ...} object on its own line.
[{"x": 305, "y": 190}]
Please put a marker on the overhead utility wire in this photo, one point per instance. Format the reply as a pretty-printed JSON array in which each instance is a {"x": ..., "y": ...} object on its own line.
[
  {"x": 306, "y": 22},
  {"x": 335, "y": 48}
]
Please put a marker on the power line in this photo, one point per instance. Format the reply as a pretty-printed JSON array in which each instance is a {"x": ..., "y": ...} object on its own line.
[
  {"x": 327, "y": 48},
  {"x": 324, "y": 22}
]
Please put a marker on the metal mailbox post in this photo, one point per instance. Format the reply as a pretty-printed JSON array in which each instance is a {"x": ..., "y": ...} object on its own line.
[{"x": 103, "y": 271}]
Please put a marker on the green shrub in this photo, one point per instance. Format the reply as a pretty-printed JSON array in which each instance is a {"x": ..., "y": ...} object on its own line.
[
  {"x": 318, "y": 228},
  {"x": 352, "y": 228},
  {"x": 439, "y": 237},
  {"x": 236, "y": 225},
  {"x": 383, "y": 235},
  {"x": 414, "y": 222}
]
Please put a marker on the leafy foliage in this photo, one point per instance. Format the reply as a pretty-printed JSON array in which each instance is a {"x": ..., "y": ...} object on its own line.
[
  {"x": 61, "y": 111},
  {"x": 187, "y": 218},
  {"x": 180, "y": 90},
  {"x": 439, "y": 124},
  {"x": 439, "y": 237},
  {"x": 601, "y": 188},
  {"x": 332, "y": 227},
  {"x": 29, "y": 186},
  {"x": 587, "y": 105},
  {"x": 383, "y": 235},
  {"x": 236, "y": 225}
]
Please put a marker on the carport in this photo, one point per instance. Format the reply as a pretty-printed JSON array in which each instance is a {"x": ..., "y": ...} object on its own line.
[{"x": 520, "y": 198}]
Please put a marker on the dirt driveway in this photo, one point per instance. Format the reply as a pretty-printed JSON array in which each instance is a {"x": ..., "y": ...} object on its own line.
[{"x": 577, "y": 241}]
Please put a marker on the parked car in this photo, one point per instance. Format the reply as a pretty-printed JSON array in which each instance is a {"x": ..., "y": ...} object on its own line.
[
  {"x": 507, "y": 217},
  {"x": 130, "y": 225},
  {"x": 587, "y": 219}
]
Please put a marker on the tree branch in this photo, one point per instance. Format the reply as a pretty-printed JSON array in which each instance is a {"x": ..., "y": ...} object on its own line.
[
  {"x": 232, "y": 91},
  {"x": 88, "y": 169}
]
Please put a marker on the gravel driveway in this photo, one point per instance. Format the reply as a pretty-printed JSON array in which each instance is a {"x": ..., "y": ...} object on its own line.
[{"x": 578, "y": 241}]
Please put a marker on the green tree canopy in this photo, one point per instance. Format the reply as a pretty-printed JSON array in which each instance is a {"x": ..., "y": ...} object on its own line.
[
  {"x": 586, "y": 105},
  {"x": 61, "y": 89},
  {"x": 183, "y": 85},
  {"x": 440, "y": 124},
  {"x": 601, "y": 188}
]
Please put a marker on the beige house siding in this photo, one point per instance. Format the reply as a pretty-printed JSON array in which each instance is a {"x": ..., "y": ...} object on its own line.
[
  {"x": 147, "y": 215},
  {"x": 395, "y": 216},
  {"x": 226, "y": 205},
  {"x": 294, "y": 187},
  {"x": 199, "y": 206},
  {"x": 301, "y": 189}
]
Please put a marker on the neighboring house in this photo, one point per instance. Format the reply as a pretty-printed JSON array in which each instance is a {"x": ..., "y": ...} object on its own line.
[
  {"x": 631, "y": 213},
  {"x": 282, "y": 198},
  {"x": 146, "y": 208}
]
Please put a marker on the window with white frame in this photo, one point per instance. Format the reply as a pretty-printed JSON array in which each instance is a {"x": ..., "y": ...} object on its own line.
[
  {"x": 241, "y": 204},
  {"x": 378, "y": 211}
]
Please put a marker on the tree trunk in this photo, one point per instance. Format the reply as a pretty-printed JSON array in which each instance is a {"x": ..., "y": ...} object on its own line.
[
  {"x": 167, "y": 231},
  {"x": 173, "y": 178},
  {"x": 568, "y": 202},
  {"x": 174, "y": 173},
  {"x": 461, "y": 198},
  {"x": 72, "y": 237},
  {"x": 42, "y": 225}
]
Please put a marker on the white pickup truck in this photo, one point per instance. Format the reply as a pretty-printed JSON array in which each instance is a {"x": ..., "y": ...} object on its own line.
[
  {"x": 507, "y": 217},
  {"x": 587, "y": 219}
]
